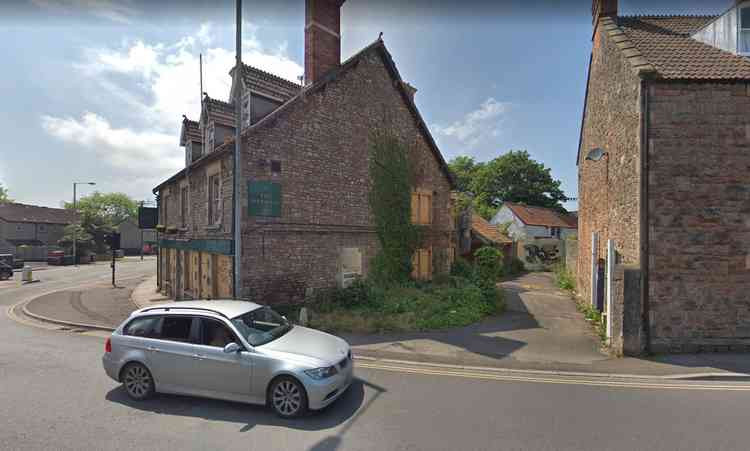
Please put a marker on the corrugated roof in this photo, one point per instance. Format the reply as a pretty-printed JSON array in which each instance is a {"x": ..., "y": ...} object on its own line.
[
  {"x": 665, "y": 43},
  {"x": 489, "y": 232},
  {"x": 540, "y": 216},
  {"x": 14, "y": 212}
]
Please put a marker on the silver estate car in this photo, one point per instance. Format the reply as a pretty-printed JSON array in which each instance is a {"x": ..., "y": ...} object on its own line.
[{"x": 233, "y": 350}]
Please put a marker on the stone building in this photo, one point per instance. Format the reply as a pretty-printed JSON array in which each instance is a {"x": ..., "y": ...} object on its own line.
[
  {"x": 663, "y": 173},
  {"x": 305, "y": 221},
  {"x": 529, "y": 222}
]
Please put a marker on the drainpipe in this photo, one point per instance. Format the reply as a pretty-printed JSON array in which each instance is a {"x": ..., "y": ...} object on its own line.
[{"x": 644, "y": 251}]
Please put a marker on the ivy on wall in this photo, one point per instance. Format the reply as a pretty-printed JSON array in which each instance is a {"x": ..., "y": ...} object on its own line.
[{"x": 390, "y": 202}]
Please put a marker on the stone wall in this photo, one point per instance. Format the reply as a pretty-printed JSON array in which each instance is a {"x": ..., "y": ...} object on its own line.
[
  {"x": 571, "y": 256},
  {"x": 627, "y": 335},
  {"x": 699, "y": 216},
  {"x": 609, "y": 189},
  {"x": 322, "y": 144}
]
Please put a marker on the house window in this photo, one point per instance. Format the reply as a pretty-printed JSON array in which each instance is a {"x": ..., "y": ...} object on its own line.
[
  {"x": 421, "y": 263},
  {"x": 744, "y": 36},
  {"x": 555, "y": 232},
  {"x": 275, "y": 167},
  {"x": 421, "y": 207},
  {"x": 214, "y": 199},
  {"x": 183, "y": 206}
]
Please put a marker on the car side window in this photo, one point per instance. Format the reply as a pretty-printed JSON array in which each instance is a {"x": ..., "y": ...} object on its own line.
[
  {"x": 214, "y": 333},
  {"x": 142, "y": 327},
  {"x": 176, "y": 328}
]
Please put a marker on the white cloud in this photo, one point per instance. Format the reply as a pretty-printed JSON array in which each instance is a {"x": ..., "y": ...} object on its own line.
[
  {"x": 153, "y": 85},
  {"x": 119, "y": 11},
  {"x": 142, "y": 152},
  {"x": 476, "y": 125}
]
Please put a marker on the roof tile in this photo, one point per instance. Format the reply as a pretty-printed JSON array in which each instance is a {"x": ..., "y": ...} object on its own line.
[
  {"x": 13, "y": 212},
  {"x": 540, "y": 216}
]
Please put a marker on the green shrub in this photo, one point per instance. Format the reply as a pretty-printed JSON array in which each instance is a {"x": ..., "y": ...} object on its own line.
[
  {"x": 516, "y": 266},
  {"x": 489, "y": 262},
  {"x": 564, "y": 278},
  {"x": 462, "y": 268}
]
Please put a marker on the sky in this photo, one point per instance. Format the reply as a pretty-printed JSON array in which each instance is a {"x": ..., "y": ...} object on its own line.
[{"x": 95, "y": 90}]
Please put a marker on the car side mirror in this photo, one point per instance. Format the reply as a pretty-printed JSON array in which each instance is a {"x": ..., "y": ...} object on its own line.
[{"x": 231, "y": 348}]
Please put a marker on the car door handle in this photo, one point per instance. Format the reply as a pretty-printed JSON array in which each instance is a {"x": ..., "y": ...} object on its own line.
[
  {"x": 198, "y": 357},
  {"x": 152, "y": 349}
]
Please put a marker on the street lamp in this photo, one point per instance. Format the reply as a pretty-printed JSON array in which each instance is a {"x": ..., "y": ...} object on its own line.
[{"x": 75, "y": 210}]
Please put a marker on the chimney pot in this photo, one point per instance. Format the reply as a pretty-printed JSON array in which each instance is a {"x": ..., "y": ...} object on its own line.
[{"x": 322, "y": 37}]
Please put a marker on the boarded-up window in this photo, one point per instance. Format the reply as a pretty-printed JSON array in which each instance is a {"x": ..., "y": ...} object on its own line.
[
  {"x": 422, "y": 264},
  {"x": 421, "y": 207},
  {"x": 214, "y": 199},
  {"x": 183, "y": 206}
]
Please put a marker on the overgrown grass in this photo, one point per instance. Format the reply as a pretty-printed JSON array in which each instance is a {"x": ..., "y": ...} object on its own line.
[
  {"x": 448, "y": 301},
  {"x": 564, "y": 278},
  {"x": 595, "y": 317}
]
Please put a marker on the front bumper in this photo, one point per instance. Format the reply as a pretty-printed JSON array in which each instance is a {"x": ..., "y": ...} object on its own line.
[{"x": 321, "y": 393}]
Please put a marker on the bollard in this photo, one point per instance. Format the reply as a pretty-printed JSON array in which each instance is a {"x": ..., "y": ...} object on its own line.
[{"x": 26, "y": 274}]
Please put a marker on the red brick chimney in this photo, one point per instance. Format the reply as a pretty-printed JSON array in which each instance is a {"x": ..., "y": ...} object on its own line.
[
  {"x": 602, "y": 8},
  {"x": 322, "y": 37}
]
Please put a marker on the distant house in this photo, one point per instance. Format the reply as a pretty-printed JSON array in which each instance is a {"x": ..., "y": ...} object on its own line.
[
  {"x": 132, "y": 239},
  {"x": 527, "y": 222},
  {"x": 27, "y": 231},
  {"x": 481, "y": 233}
]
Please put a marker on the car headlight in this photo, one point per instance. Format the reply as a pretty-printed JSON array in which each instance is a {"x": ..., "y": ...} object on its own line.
[{"x": 322, "y": 373}]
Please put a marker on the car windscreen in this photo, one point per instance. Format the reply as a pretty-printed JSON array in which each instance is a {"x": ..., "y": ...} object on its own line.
[{"x": 261, "y": 326}]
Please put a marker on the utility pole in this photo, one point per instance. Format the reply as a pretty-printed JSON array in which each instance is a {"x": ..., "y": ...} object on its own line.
[
  {"x": 237, "y": 168},
  {"x": 139, "y": 226}
]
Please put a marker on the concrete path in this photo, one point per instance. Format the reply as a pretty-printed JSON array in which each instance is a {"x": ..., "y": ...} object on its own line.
[{"x": 541, "y": 327}]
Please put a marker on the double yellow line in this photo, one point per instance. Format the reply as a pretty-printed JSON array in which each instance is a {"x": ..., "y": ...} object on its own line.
[{"x": 644, "y": 383}]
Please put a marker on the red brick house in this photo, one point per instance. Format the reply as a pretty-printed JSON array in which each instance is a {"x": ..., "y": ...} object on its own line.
[
  {"x": 306, "y": 222},
  {"x": 663, "y": 165}
]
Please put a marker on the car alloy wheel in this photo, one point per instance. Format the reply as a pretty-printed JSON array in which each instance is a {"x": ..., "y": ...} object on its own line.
[
  {"x": 288, "y": 398},
  {"x": 138, "y": 381}
]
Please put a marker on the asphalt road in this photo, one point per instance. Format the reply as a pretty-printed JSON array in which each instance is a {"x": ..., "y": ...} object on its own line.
[{"x": 54, "y": 395}]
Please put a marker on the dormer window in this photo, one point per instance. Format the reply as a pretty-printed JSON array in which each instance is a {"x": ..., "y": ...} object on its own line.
[{"x": 744, "y": 36}]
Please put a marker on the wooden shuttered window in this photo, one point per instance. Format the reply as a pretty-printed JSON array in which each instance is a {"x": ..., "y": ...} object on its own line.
[
  {"x": 421, "y": 207},
  {"x": 422, "y": 264}
]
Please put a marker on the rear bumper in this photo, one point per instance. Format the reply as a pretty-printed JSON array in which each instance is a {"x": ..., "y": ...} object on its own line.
[
  {"x": 111, "y": 367},
  {"x": 322, "y": 393}
]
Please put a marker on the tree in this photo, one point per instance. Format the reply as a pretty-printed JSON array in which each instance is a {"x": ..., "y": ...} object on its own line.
[
  {"x": 85, "y": 242},
  {"x": 4, "y": 195},
  {"x": 100, "y": 213},
  {"x": 512, "y": 177}
]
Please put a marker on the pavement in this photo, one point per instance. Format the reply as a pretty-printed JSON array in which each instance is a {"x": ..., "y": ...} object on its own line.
[
  {"x": 540, "y": 331},
  {"x": 55, "y": 395}
]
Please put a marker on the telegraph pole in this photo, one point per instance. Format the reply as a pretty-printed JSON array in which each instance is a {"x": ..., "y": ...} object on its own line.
[{"x": 237, "y": 168}]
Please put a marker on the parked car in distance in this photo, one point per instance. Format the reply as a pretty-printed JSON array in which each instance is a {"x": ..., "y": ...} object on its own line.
[
  {"x": 233, "y": 350},
  {"x": 6, "y": 271}
]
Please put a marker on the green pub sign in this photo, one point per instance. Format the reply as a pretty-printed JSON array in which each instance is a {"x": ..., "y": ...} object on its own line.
[{"x": 264, "y": 198}]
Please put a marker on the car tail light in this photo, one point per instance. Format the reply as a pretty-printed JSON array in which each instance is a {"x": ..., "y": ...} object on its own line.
[{"x": 108, "y": 345}]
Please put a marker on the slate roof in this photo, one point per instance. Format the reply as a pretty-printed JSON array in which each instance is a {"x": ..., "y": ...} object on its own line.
[
  {"x": 268, "y": 84},
  {"x": 377, "y": 46},
  {"x": 540, "y": 216},
  {"x": 489, "y": 232},
  {"x": 14, "y": 212},
  {"x": 190, "y": 131},
  {"x": 221, "y": 112},
  {"x": 664, "y": 43}
]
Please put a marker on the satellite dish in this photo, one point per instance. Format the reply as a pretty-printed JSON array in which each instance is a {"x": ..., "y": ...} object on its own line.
[{"x": 596, "y": 154}]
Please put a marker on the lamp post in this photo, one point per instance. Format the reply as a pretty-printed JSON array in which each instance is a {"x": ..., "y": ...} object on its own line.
[{"x": 75, "y": 210}]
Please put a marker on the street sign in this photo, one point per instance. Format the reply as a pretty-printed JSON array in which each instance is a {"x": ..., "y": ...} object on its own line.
[
  {"x": 264, "y": 198},
  {"x": 112, "y": 240},
  {"x": 148, "y": 217}
]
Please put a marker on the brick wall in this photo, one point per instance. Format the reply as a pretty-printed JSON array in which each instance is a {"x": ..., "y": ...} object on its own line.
[
  {"x": 322, "y": 143},
  {"x": 612, "y": 122},
  {"x": 699, "y": 216}
]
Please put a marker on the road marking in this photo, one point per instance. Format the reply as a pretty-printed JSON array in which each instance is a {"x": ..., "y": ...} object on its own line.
[{"x": 555, "y": 380}]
